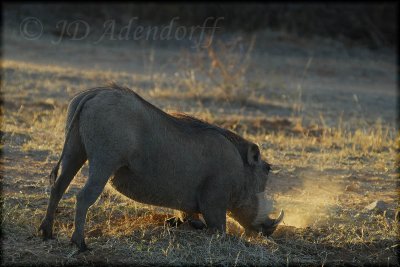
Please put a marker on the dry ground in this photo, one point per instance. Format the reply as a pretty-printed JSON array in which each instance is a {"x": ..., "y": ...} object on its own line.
[{"x": 325, "y": 121}]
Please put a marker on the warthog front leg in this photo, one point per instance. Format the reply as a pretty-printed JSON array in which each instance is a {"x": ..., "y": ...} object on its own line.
[
  {"x": 98, "y": 177},
  {"x": 73, "y": 160},
  {"x": 213, "y": 205}
]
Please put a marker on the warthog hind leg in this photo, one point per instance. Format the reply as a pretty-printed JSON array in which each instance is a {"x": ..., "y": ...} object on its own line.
[
  {"x": 72, "y": 161},
  {"x": 99, "y": 174}
]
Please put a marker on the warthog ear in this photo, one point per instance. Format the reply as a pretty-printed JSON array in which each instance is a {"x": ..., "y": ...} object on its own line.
[{"x": 253, "y": 155}]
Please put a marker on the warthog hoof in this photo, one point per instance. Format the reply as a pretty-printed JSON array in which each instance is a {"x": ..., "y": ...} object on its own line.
[
  {"x": 197, "y": 224},
  {"x": 174, "y": 221},
  {"x": 46, "y": 229},
  {"x": 79, "y": 241}
]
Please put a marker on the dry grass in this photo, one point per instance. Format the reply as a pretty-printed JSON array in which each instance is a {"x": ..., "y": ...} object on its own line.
[{"x": 313, "y": 167}]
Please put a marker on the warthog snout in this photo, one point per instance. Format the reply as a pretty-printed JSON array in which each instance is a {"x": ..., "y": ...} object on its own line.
[
  {"x": 262, "y": 221},
  {"x": 270, "y": 225}
]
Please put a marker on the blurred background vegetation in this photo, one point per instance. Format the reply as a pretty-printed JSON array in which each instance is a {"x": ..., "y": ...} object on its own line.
[{"x": 372, "y": 25}]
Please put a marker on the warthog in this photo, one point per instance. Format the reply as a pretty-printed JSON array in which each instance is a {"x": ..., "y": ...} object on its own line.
[{"x": 153, "y": 157}]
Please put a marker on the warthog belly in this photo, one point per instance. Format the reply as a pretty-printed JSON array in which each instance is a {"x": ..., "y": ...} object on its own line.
[{"x": 151, "y": 191}]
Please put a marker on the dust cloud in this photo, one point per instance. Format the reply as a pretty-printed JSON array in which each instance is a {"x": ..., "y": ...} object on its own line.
[{"x": 311, "y": 202}]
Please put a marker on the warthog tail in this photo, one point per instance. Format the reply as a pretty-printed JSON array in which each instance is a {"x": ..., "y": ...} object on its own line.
[{"x": 54, "y": 173}]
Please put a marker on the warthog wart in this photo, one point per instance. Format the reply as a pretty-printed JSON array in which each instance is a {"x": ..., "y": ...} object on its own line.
[{"x": 169, "y": 160}]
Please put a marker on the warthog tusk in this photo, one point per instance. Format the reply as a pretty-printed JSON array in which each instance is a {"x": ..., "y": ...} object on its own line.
[
  {"x": 279, "y": 219},
  {"x": 263, "y": 209}
]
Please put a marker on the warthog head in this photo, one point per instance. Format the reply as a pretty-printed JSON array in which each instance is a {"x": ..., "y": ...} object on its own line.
[{"x": 253, "y": 206}]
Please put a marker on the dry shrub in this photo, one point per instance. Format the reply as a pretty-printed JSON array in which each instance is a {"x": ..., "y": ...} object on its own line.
[{"x": 220, "y": 69}]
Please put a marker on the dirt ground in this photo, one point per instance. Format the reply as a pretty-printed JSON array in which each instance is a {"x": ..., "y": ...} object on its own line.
[{"x": 324, "y": 115}]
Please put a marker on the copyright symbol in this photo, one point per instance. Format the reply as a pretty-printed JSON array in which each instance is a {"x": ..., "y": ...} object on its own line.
[{"x": 31, "y": 28}]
